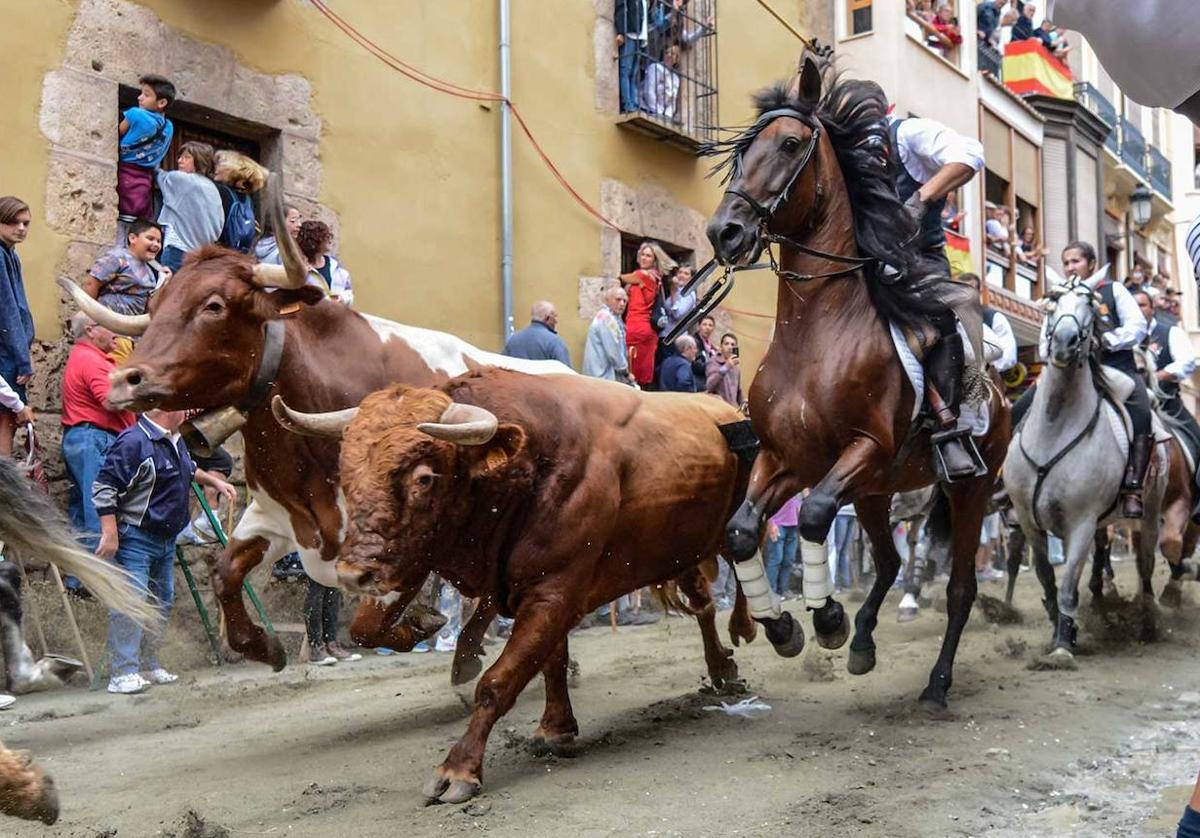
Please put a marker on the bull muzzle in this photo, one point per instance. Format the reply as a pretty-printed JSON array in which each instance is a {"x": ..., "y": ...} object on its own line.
[
  {"x": 359, "y": 578},
  {"x": 204, "y": 433}
]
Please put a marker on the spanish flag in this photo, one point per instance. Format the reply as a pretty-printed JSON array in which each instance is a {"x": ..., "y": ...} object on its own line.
[
  {"x": 958, "y": 252},
  {"x": 1030, "y": 68}
]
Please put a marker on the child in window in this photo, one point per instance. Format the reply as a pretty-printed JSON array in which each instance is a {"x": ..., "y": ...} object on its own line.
[
  {"x": 145, "y": 135},
  {"x": 123, "y": 278}
]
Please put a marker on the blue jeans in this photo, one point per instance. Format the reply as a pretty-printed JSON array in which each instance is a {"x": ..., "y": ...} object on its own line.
[
  {"x": 843, "y": 533},
  {"x": 628, "y": 67},
  {"x": 171, "y": 257},
  {"x": 151, "y": 560},
  {"x": 781, "y": 558},
  {"x": 84, "y": 448}
]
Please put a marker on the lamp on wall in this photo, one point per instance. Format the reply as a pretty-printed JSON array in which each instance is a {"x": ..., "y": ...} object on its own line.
[{"x": 1140, "y": 205}]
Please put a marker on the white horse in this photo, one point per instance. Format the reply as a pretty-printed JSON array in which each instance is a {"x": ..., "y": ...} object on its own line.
[{"x": 1065, "y": 464}]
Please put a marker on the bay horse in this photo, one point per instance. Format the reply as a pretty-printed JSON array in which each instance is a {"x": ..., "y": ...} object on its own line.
[{"x": 831, "y": 404}]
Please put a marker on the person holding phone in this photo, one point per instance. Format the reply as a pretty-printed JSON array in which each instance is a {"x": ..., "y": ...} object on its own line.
[{"x": 724, "y": 372}]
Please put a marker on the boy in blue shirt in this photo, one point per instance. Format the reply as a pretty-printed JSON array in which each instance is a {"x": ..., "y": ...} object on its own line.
[
  {"x": 142, "y": 496},
  {"x": 145, "y": 138}
]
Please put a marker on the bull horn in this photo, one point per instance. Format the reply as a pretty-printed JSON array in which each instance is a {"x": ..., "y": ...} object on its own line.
[
  {"x": 130, "y": 325},
  {"x": 463, "y": 424},
  {"x": 329, "y": 425},
  {"x": 294, "y": 274}
]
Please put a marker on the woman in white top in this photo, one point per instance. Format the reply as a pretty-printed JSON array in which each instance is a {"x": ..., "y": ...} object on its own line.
[{"x": 191, "y": 213}]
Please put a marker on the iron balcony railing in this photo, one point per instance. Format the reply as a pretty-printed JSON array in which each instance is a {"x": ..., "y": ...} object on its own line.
[
  {"x": 1133, "y": 149},
  {"x": 1160, "y": 173},
  {"x": 990, "y": 59},
  {"x": 1096, "y": 102}
]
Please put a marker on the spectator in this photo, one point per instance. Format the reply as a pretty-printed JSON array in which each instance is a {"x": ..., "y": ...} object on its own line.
[
  {"x": 267, "y": 248},
  {"x": 987, "y": 21},
  {"x": 669, "y": 26},
  {"x": 679, "y": 304},
  {"x": 123, "y": 278},
  {"x": 676, "y": 373},
  {"x": 946, "y": 35},
  {"x": 1028, "y": 250},
  {"x": 952, "y": 217},
  {"x": 1023, "y": 29},
  {"x": 145, "y": 137},
  {"x": 238, "y": 177},
  {"x": 89, "y": 427},
  {"x": 1054, "y": 40},
  {"x": 539, "y": 341},
  {"x": 660, "y": 91},
  {"x": 192, "y": 213},
  {"x": 782, "y": 541},
  {"x": 324, "y": 270},
  {"x": 321, "y": 609},
  {"x": 604, "y": 350},
  {"x": 631, "y": 22},
  {"x": 845, "y": 534},
  {"x": 995, "y": 229},
  {"x": 724, "y": 377},
  {"x": 16, "y": 323},
  {"x": 641, "y": 332},
  {"x": 705, "y": 349},
  {"x": 10, "y": 401},
  {"x": 141, "y": 496}
]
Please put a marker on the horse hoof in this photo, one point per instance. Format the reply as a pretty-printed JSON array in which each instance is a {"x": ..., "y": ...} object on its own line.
[
  {"x": 276, "y": 656},
  {"x": 786, "y": 635},
  {"x": 907, "y": 615},
  {"x": 729, "y": 672},
  {"x": 836, "y": 639},
  {"x": 466, "y": 671},
  {"x": 1172, "y": 594},
  {"x": 460, "y": 791},
  {"x": 1059, "y": 658},
  {"x": 560, "y": 746},
  {"x": 934, "y": 707},
  {"x": 860, "y": 661}
]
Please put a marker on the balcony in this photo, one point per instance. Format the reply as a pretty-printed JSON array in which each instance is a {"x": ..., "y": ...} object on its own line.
[
  {"x": 1133, "y": 149},
  {"x": 1160, "y": 173},
  {"x": 990, "y": 60},
  {"x": 1096, "y": 102}
]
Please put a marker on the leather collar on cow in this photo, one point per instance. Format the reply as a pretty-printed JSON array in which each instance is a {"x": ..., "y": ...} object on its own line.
[{"x": 208, "y": 430}]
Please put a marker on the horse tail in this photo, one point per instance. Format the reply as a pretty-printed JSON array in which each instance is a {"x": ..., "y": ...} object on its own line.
[{"x": 33, "y": 528}]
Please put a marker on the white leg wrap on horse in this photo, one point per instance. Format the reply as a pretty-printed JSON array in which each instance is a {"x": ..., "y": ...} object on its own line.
[
  {"x": 759, "y": 597},
  {"x": 818, "y": 587}
]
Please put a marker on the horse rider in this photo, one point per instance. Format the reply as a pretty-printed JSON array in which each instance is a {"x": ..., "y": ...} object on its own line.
[
  {"x": 931, "y": 162},
  {"x": 997, "y": 331},
  {"x": 1123, "y": 327},
  {"x": 1175, "y": 360}
]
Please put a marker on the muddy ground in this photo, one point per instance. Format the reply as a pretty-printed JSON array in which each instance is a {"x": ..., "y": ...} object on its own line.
[{"x": 1110, "y": 749}]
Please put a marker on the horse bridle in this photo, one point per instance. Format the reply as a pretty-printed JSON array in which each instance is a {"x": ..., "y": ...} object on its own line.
[
  {"x": 766, "y": 212},
  {"x": 1085, "y": 333}
]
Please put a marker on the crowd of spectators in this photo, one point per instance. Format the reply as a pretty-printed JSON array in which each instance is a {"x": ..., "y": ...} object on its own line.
[
  {"x": 939, "y": 25},
  {"x": 653, "y": 39},
  {"x": 999, "y": 22}
]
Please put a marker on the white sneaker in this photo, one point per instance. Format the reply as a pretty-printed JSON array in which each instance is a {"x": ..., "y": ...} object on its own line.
[
  {"x": 446, "y": 644},
  {"x": 202, "y": 531},
  {"x": 159, "y": 676},
  {"x": 130, "y": 684},
  {"x": 6, "y": 701}
]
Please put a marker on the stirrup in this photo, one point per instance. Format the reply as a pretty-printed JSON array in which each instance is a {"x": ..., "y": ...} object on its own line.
[
  {"x": 1134, "y": 495},
  {"x": 962, "y": 437}
]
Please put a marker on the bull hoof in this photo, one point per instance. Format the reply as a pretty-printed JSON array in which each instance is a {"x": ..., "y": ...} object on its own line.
[
  {"x": 46, "y": 810},
  {"x": 1172, "y": 594},
  {"x": 443, "y": 789},
  {"x": 832, "y": 625},
  {"x": 465, "y": 671},
  {"x": 786, "y": 635},
  {"x": 860, "y": 661},
  {"x": 276, "y": 656}
]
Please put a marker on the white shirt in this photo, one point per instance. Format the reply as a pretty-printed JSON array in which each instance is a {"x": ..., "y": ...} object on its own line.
[
  {"x": 926, "y": 146},
  {"x": 1184, "y": 356},
  {"x": 1147, "y": 46},
  {"x": 1132, "y": 330},
  {"x": 1000, "y": 335},
  {"x": 9, "y": 398}
]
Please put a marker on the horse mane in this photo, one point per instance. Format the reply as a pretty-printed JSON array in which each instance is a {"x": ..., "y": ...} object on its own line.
[{"x": 905, "y": 287}]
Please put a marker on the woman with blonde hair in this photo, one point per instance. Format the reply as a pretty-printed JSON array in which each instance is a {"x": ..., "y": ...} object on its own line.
[
  {"x": 238, "y": 177},
  {"x": 642, "y": 285}
]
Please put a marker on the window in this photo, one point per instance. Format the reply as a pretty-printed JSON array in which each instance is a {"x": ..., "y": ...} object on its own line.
[
  {"x": 858, "y": 17},
  {"x": 193, "y": 122},
  {"x": 668, "y": 82}
]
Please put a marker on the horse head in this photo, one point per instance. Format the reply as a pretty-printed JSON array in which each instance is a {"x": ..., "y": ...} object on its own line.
[{"x": 1071, "y": 323}]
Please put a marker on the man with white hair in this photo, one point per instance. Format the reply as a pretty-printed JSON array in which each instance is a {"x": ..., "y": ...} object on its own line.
[
  {"x": 604, "y": 350},
  {"x": 676, "y": 372},
  {"x": 539, "y": 341},
  {"x": 89, "y": 427}
]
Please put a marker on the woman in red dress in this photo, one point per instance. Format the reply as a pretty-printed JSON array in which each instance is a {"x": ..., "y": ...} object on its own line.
[{"x": 641, "y": 336}]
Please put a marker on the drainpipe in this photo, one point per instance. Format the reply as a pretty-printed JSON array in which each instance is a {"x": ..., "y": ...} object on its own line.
[{"x": 506, "y": 189}]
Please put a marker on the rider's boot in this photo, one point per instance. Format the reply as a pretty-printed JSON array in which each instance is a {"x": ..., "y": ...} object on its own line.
[
  {"x": 1135, "y": 475},
  {"x": 955, "y": 456}
]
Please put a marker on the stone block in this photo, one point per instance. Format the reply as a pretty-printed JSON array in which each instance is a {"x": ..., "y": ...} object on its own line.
[
  {"x": 78, "y": 112},
  {"x": 119, "y": 40},
  {"x": 203, "y": 73},
  {"x": 301, "y": 158},
  {"x": 591, "y": 294},
  {"x": 292, "y": 106},
  {"x": 49, "y": 359},
  {"x": 604, "y": 55},
  {"x": 81, "y": 197}
]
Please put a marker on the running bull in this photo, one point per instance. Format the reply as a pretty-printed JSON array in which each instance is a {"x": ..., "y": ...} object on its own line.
[{"x": 548, "y": 496}]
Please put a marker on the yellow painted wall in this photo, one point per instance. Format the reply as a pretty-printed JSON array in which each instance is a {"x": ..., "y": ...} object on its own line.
[{"x": 412, "y": 173}]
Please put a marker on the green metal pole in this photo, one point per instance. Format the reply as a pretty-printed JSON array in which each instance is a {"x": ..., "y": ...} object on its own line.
[
  {"x": 191, "y": 581},
  {"x": 216, "y": 525}
]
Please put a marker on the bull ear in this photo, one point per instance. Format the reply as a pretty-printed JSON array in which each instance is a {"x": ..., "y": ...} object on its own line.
[
  {"x": 308, "y": 295},
  {"x": 497, "y": 456}
]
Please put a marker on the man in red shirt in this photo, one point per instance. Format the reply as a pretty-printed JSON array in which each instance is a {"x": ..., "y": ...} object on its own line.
[{"x": 89, "y": 427}]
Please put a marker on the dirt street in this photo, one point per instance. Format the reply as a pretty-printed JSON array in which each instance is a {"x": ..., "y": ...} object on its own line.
[{"x": 1110, "y": 749}]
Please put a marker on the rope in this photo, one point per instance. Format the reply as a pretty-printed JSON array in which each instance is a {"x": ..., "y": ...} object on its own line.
[
  {"x": 451, "y": 89},
  {"x": 787, "y": 25}
]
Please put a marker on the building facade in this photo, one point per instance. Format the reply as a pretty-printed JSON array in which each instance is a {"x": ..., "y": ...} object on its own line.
[{"x": 408, "y": 176}]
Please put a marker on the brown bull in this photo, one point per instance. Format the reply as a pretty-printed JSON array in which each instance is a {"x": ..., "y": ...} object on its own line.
[{"x": 545, "y": 496}]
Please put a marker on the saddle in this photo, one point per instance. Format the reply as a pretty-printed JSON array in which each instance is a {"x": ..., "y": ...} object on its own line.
[
  {"x": 1116, "y": 388},
  {"x": 974, "y": 412}
]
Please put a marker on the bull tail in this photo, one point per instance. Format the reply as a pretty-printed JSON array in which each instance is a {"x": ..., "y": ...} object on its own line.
[
  {"x": 33, "y": 529},
  {"x": 672, "y": 599}
]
